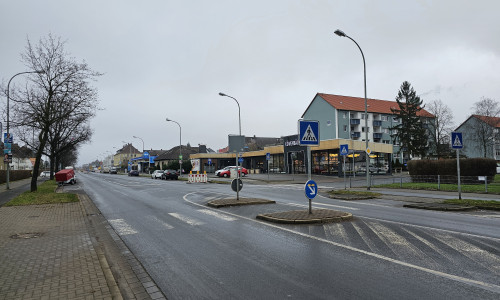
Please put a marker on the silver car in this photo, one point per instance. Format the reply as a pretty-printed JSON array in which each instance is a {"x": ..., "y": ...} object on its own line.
[{"x": 157, "y": 174}]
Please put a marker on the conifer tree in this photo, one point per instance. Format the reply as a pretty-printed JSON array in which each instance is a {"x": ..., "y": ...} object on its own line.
[{"x": 409, "y": 132}]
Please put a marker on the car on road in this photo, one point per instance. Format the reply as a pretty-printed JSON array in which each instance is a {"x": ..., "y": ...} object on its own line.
[
  {"x": 226, "y": 172},
  {"x": 133, "y": 173},
  {"x": 113, "y": 170},
  {"x": 157, "y": 174},
  {"x": 45, "y": 174},
  {"x": 373, "y": 169},
  {"x": 170, "y": 174}
]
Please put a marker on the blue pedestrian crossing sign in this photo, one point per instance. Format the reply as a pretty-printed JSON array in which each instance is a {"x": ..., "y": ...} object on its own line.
[
  {"x": 308, "y": 133},
  {"x": 344, "y": 149},
  {"x": 456, "y": 140},
  {"x": 311, "y": 189}
]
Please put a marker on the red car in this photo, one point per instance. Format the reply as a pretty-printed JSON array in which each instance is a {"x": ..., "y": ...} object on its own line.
[{"x": 226, "y": 172}]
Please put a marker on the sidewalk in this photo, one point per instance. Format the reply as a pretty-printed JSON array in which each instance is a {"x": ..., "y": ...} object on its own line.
[{"x": 65, "y": 251}]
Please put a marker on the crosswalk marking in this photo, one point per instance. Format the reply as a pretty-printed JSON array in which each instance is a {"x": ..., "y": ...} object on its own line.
[
  {"x": 188, "y": 220},
  {"x": 165, "y": 225},
  {"x": 121, "y": 227},
  {"x": 217, "y": 215}
]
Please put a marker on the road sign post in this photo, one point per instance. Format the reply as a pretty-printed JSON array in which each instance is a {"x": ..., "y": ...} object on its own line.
[
  {"x": 309, "y": 136},
  {"x": 311, "y": 189},
  {"x": 344, "y": 150},
  {"x": 457, "y": 143},
  {"x": 268, "y": 158}
]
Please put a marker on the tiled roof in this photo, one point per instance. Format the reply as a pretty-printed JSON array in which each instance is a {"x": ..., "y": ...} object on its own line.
[
  {"x": 492, "y": 121},
  {"x": 173, "y": 154},
  {"x": 358, "y": 104}
]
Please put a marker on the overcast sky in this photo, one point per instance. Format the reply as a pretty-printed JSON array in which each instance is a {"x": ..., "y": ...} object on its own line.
[{"x": 171, "y": 59}]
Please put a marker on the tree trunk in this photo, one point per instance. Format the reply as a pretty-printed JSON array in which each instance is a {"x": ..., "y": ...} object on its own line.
[{"x": 36, "y": 168}]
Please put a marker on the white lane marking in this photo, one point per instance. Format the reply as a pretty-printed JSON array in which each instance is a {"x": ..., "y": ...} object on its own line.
[
  {"x": 155, "y": 219},
  {"x": 121, "y": 227},
  {"x": 477, "y": 283},
  {"x": 188, "y": 220},
  {"x": 217, "y": 215}
]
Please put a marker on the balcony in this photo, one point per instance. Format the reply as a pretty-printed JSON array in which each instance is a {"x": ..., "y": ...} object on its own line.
[
  {"x": 356, "y": 134},
  {"x": 355, "y": 121},
  {"x": 377, "y": 135},
  {"x": 377, "y": 123}
]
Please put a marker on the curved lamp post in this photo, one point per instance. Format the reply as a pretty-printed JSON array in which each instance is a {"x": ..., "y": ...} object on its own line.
[
  {"x": 8, "y": 121},
  {"x": 180, "y": 144},
  {"x": 136, "y": 137},
  {"x": 237, "y": 154},
  {"x": 342, "y": 34}
]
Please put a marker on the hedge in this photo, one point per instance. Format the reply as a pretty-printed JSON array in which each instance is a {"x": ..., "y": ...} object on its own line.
[
  {"x": 14, "y": 175},
  {"x": 448, "y": 167}
]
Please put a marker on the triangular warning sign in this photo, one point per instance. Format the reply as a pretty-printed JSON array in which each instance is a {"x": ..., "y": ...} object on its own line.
[
  {"x": 457, "y": 142},
  {"x": 309, "y": 135},
  {"x": 343, "y": 150}
]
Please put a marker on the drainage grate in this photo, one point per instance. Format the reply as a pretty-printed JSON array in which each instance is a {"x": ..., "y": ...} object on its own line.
[{"x": 30, "y": 235}]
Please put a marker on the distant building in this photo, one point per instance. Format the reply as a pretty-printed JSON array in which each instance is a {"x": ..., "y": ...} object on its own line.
[
  {"x": 124, "y": 155},
  {"x": 481, "y": 137}
]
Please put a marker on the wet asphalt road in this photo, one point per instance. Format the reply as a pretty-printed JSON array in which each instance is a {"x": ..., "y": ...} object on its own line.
[{"x": 386, "y": 252}]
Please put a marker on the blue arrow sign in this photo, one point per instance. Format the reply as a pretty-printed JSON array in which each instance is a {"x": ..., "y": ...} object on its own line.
[
  {"x": 268, "y": 156},
  {"x": 209, "y": 161},
  {"x": 309, "y": 133},
  {"x": 456, "y": 140},
  {"x": 240, "y": 159},
  {"x": 344, "y": 149},
  {"x": 311, "y": 189}
]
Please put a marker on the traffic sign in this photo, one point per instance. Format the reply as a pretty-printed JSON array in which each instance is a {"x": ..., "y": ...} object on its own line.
[
  {"x": 240, "y": 159},
  {"x": 209, "y": 161},
  {"x": 268, "y": 156},
  {"x": 308, "y": 133},
  {"x": 344, "y": 149},
  {"x": 7, "y": 138},
  {"x": 456, "y": 140},
  {"x": 311, "y": 189},
  {"x": 236, "y": 184},
  {"x": 368, "y": 151}
]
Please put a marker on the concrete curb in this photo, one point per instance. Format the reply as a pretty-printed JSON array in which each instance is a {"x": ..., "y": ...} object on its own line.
[
  {"x": 233, "y": 202},
  {"x": 318, "y": 216},
  {"x": 439, "y": 206}
]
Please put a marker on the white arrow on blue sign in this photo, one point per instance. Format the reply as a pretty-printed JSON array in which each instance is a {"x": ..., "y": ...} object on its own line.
[
  {"x": 344, "y": 149},
  {"x": 311, "y": 189},
  {"x": 456, "y": 140}
]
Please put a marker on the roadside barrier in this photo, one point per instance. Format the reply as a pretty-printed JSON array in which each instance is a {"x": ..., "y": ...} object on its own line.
[{"x": 196, "y": 178}]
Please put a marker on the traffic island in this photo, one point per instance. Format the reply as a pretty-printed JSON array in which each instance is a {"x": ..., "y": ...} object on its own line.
[
  {"x": 440, "y": 206},
  {"x": 352, "y": 195},
  {"x": 318, "y": 216},
  {"x": 231, "y": 201}
]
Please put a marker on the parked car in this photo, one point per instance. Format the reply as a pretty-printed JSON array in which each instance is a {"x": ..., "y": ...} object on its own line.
[
  {"x": 133, "y": 173},
  {"x": 157, "y": 174},
  {"x": 226, "y": 172},
  {"x": 170, "y": 174},
  {"x": 113, "y": 170},
  {"x": 373, "y": 169},
  {"x": 45, "y": 174}
]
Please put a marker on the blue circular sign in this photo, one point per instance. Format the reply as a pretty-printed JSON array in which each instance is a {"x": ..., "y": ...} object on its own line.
[{"x": 311, "y": 189}]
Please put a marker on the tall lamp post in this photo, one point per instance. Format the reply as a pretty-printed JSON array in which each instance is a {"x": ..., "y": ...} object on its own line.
[
  {"x": 8, "y": 121},
  {"x": 342, "y": 34},
  {"x": 136, "y": 137},
  {"x": 180, "y": 144},
  {"x": 237, "y": 154}
]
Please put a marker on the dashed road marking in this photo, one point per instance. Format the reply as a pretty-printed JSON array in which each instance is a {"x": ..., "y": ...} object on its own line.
[
  {"x": 188, "y": 220},
  {"x": 121, "y": 227},
  {"x": 217, "y": 215}
]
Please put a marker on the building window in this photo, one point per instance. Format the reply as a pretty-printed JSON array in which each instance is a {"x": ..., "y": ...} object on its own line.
[
  {"x": 384, "y": 118},
  {"x": 385, "y": 141},
  {"x": 345, "y": 128},
  {"x": 345, "y": 115},
  {"x": 395, "y": 119},
  {"x": 363, "y": 129}
]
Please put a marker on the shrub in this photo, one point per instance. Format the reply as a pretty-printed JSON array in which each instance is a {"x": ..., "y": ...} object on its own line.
[{"x": 472, "y": 167}]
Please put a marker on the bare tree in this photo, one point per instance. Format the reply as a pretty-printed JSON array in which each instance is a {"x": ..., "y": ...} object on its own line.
[
  {"x": 486, "y": 112},
  {"x": 62, "y": 92},
  {"x": 440, "y": 128}
]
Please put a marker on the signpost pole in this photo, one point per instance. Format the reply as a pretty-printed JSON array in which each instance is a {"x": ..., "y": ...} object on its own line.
[
  {"x": 458, "y": 175},
  {"x": 343, "y": 170}
]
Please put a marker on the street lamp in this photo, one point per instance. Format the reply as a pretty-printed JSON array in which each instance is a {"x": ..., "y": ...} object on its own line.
[
  {"x": 342, "y": 34},
  {"x": 8, "y": 121},
  {"x": 180, "y": 144},
  {"x": 136, "y": 137},
  {"x": 237, "y": 154}
]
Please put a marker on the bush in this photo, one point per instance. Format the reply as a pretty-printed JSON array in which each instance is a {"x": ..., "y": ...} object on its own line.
[
  {"x": 14, "y": 175},
  {"x": 472, "y": 167}
]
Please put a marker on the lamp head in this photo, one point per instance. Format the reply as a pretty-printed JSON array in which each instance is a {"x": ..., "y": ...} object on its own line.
[
  {"x": 339, "y": 32},
  {"x": 222, "y": 94},
  {"x": 168, "y": 120}
]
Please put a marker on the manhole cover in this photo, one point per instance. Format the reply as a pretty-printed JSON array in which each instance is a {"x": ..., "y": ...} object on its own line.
[{"x": 31, "y": 235}]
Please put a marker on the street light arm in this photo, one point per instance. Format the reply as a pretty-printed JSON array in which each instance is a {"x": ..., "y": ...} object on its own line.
[{"x": 239, "y": 110}]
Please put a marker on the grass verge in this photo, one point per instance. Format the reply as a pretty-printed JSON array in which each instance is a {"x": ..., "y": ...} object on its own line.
[
  {"x": 481, "y": 204},
  {"x": 45, "y": 194},
  {"x": 352, "y": 195}
]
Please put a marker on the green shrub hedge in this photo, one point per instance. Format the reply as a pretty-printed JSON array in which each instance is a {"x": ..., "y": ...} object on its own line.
[
  {"x": 14, "y": 175},
  {"x": 448, "y": 167}
]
